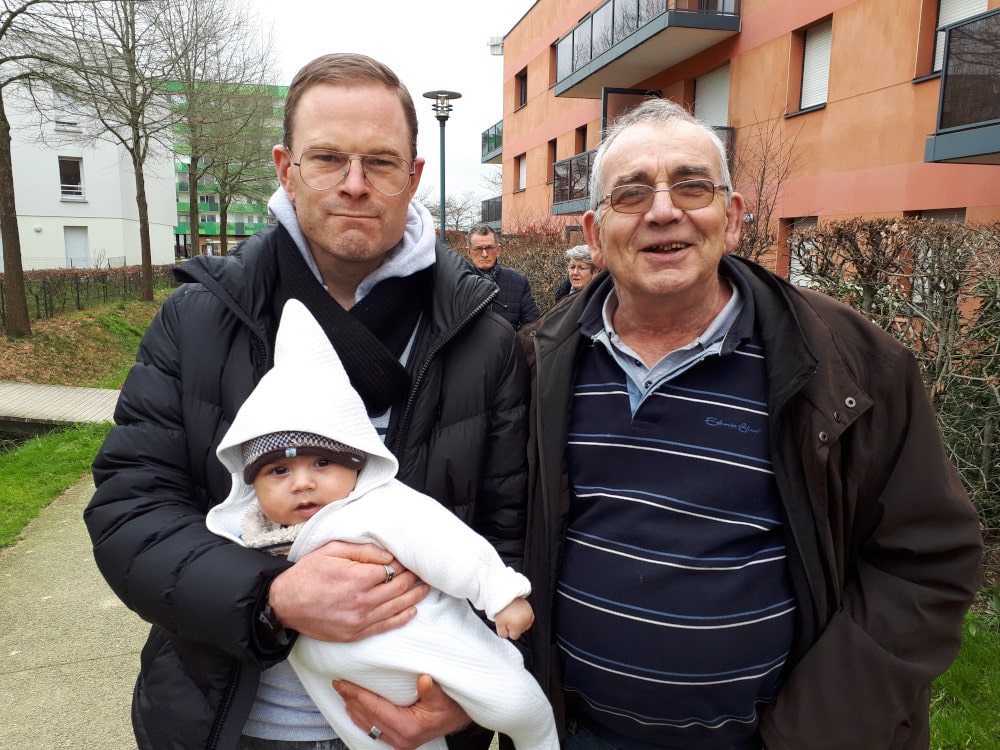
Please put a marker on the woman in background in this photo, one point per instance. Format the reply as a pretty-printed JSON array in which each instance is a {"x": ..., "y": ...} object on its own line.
[{"x": 580, "y": 269}]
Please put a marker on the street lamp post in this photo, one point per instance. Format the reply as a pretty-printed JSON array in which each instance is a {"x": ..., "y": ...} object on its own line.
[{"x": 442, "y": 108}]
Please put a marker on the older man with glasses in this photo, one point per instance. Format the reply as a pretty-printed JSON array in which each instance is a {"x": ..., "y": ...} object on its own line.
[
  {"x": 743, "y": 528},
  {"x": 442, "y": 380},
  {"x": 514, "y": 303}
]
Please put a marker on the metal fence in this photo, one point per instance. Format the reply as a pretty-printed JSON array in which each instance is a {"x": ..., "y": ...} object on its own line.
[
  {"x": 54, "y": 291},
  {"x": 39, "y": 263}
]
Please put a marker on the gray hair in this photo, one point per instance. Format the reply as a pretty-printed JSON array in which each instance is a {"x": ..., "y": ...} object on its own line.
[
  {"x": 655, "y": 112},
  {"x": 482, "y": 229},
  {"x": 580, "y": 252}
]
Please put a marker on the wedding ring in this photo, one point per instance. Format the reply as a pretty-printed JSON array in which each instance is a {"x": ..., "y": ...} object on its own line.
[
  {"x": 390, "y": 573},
  {"x": 375, "y": 732}
]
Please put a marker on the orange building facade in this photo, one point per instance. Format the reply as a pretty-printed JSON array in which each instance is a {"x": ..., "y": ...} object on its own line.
[{"x": 841, "y": 100}]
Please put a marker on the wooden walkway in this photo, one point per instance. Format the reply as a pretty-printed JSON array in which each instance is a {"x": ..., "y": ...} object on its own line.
[{"x": 25, "y": 407}]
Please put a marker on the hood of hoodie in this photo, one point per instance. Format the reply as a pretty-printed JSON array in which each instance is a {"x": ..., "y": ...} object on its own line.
[
  {"x": 307, "y": 390},
  {"x": 415, "y": 250}
]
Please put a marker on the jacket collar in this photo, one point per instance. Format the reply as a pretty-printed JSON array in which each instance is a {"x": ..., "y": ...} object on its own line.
[{"x": 802, "y": 351}]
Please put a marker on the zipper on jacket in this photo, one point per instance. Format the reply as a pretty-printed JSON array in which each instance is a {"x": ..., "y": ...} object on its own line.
[
  {"x": 223, "y": 712},
  {"x": 404, "y": 418}
]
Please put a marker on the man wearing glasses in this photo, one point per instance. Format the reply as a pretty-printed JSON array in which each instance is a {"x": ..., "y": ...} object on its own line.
[
  {"x": 443, "y": 381},
  {"x": 743, "y": 528},
  {"x": 514, "y": 303}
]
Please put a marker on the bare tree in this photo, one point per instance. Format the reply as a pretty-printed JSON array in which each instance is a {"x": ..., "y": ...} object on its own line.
[
  {"x": 492, "y": 181},
  {"x": 19, "y": 53},
  {"x": 244, "y": 173},
  {"x": 112, "y": 64},
  {"x": 461, "y": 211},
  {"x": 223, "y": 58},
  {"x": 765, "y": 158},
  {"x": 934, "y": 286}
]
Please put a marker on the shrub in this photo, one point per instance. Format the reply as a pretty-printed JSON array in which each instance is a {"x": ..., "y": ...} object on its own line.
[{"x": 935, "y": 287}]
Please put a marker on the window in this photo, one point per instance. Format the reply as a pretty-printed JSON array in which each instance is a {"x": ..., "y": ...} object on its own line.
[
  {"x": 553, "y": 65},
  {"x": 580, "y": 140},
  {"x": 711, "y": 97},
  {"x": 927, "y": 276},
  {"x": 550, "y": 165},
  {"x": 71, "y": 178},
  {"x": 522, "y": 172},
  {"x": 602, "y": 30},
  {"x": 816, "y": 65},
  {"x": 521, "y": 89},
  {"x": 796, "y": 267},
  {"x": 949, "y": 12},
  {"x": 65, "y": 111},
  {"x": 945, "y": 215}
]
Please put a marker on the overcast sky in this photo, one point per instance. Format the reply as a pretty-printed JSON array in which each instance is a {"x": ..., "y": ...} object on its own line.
[{"x": 435, "y": 44}]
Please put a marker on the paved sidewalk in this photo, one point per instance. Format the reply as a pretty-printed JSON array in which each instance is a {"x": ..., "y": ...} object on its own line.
[{"x": 69, "y": 649}]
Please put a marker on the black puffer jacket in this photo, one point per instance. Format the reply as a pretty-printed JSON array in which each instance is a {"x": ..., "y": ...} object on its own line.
[{"x": 460, "y": 438}]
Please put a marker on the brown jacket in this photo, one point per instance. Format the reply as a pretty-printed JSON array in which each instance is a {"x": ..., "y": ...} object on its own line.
[{"x": 885, "y": 546}]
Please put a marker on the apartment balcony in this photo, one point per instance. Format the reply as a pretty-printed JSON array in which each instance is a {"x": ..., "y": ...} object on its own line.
[
  {"x": 491, "y": 212},
  {"x": 968, "y": 124},
  {"x": 624, "y": 42},
  {"x": 493, "y": 144},
  {"x": 571, "y": 177},
  {"x": 571, "y": 184}
]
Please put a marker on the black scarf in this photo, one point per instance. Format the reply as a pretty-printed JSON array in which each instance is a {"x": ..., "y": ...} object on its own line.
[{"x": 371, "y": 336}]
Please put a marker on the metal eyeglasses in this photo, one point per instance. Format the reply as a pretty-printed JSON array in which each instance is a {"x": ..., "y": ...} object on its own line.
[
  {"x": 686, "y": 195},
  {"x": 322, "y": 169}
]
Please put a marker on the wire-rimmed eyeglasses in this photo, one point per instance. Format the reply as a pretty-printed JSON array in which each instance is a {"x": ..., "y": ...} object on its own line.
[
  {"x": 686, "y": 195},
  {"x": 322, "y": 169}
]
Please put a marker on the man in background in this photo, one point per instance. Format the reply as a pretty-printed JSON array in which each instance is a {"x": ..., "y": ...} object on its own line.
[{"x": 515, "y": 302}]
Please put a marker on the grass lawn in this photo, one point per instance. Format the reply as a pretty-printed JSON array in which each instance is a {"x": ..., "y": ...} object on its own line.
[
  {"x": 36, "y": 472},
  {"x": 965, "y": 703}
]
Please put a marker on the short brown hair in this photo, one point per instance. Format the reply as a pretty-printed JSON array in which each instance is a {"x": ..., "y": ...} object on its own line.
[{"x": 347, "y": 69}]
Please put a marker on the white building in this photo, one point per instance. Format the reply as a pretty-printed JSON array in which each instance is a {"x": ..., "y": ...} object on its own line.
[{"x": 76, "y": 198}]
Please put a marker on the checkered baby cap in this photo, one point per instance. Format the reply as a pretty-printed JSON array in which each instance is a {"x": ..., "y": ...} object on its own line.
[{"x": 276, "y": 445}]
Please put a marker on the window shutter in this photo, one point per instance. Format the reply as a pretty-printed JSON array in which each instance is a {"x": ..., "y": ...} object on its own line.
[
  {"x": 816, "y": 65},
  {"x": 711, "y": 97},
  {"x": 949, "y": 12}
]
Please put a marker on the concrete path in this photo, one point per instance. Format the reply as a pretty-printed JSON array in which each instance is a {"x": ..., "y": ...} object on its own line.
[{"x": 69, "y": 649}]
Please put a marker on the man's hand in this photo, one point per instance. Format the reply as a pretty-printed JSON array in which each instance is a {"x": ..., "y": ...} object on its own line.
[
  {"x": 434, "y": 714},
  {"x": 339, "y": 593}
]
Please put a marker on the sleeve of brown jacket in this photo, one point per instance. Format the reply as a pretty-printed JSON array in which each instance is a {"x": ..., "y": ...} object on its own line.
[{"x": 911, "y": 552}]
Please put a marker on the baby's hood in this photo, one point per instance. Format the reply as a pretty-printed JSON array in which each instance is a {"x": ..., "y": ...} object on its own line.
[{"x": 307, "y": 390}]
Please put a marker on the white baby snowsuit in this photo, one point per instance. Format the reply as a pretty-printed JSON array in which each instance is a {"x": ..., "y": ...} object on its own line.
[{"x": 308, "y": 391}]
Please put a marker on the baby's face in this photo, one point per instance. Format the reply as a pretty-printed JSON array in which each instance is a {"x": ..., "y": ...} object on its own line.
[{"x": 292, "y": 490}]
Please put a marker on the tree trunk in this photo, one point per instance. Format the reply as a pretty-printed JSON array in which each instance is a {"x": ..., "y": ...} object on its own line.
[
  {"x": 144, "y": 241},
  {"x": 223, "y": 219},
  {"x": 193, "y": 212},
  {"x": 15, "y": 297}
]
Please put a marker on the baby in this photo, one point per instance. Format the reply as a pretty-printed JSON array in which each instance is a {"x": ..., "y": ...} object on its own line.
[{"x": 308, "y": 467}]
